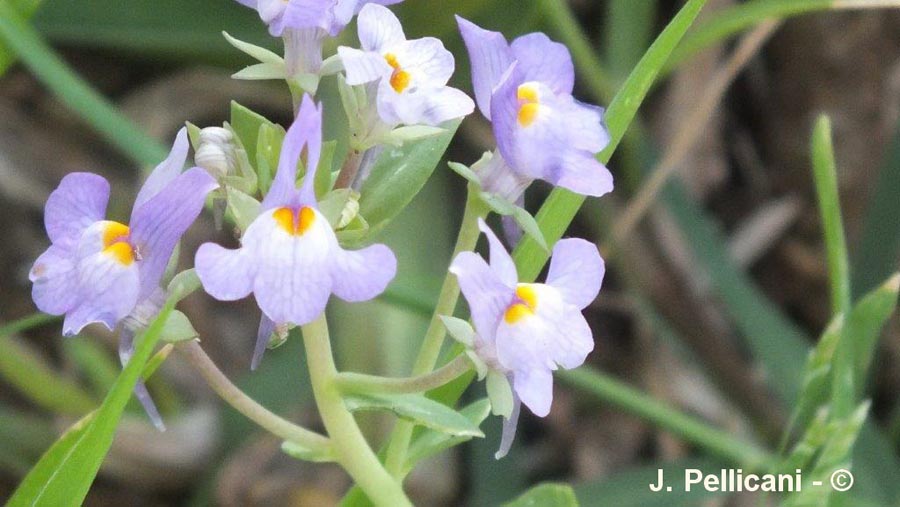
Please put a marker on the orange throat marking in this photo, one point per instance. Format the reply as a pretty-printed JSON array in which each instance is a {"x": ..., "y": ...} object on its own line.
[
  {"x": 295, "y": 222},
  {"x": 399, "y": 78},
  {"x": 115, "y": 243},
  {"x": 529, "y": 104},
  {"x": 524, "y": 306}
]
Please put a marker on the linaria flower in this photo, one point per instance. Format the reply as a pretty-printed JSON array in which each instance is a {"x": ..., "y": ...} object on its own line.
[
  {"x": 411, "y": 75},
  {"x": 304, "y": 24},
  {"x": 542, "y": 132},
  {"x": 103, "y": 271},
  {"x": 527, "y": 330},
  {"x": 289, "y": 256}
]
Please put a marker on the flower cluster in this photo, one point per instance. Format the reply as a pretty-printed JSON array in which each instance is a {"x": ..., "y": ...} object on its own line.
[{"x": 292, "y": 256}]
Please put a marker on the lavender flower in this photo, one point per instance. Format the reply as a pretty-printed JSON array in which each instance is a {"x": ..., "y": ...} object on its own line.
[
  {"x": 304, "y": 24},
  {"x": 527, "y": 330},
  {"x": 289, "y": 256},
  {"x": 102, "y": 271},
  {"x": 411, "y": 75},
  {"x": 542, "y": 132}
]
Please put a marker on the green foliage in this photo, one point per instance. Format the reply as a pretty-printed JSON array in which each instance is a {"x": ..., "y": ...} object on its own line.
[
  {"x": 399, "y": 174},
  {"x": 65, "y": 472},
  {"x": 546, "y": 495},
  {"x": 419, "y": 409},
  {"x": 427, "y": 442}
]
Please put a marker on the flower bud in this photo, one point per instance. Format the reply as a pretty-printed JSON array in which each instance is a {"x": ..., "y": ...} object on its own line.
[{"x": 215, "y": 152}]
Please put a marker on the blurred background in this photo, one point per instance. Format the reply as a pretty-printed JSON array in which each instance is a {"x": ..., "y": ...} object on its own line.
[{"x": 710, "y": 303}]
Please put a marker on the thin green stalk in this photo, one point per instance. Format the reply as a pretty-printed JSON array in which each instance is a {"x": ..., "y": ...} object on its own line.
[
  {"x": 22, "y": 38},
  {"x": 711, "y": 439},
  {"x": 231, "y": 394},
  {"x": 25, "y": 323},
  {"x": 434, "y": 336},
  {"x": 350, "y": 447},
  {"x": 361, "y": 383},
  {"x": 825, "y": 176}
]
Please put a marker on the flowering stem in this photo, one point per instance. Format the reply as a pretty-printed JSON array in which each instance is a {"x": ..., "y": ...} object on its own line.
[
  {"x": 350, "y": 447},
  {"x": 434, "y": 336},
  {"x": 360, "y": 383},
  {"x": 349, "y": 169},
  {"x": 276, "y": 425}
]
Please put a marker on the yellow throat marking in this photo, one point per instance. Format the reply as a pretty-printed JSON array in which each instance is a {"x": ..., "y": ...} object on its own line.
[
  {"x": 529, "y": 104},
  {"x": 525, "y": 305},
  {"x": 399, "y": 78},
  {"x": 295, "y": 222},
  {"x": 115, "y": 243}
]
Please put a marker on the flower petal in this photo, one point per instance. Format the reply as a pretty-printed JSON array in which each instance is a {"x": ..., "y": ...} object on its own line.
[
  {"x": 484, "y": 291},
  {"x": 575, "y": 341},
  {"x": 509, "y": 429},
  {"x": 543, "y": 60},
  {"x": 363, "y": 67},
  {"x": 305, "y": 131},
  {"x": 55, "y": 289},
  {"x": 165, "y": 172},
  {"x": 426, "y": 60},
  {"x": 501, "y": 262},
  {"x": 535, "y": 388},
  {"x": 424, "y": 106},
  {"x": 379, "y": 28},
  {"x": 78, "y": 201},
  {"x": 263, "y": 334},
  {"x": 363, "y": 274},
  {"x": 293, "y": 273},
  {"x": 583, "y": 174},
  {"x": 577, "y": 270},
  {"x": 226, "y": 275},
  {"x": 158, "y": 224},
  {"x": 489, "y": 56},
  {"x": 108, "y": 291}
]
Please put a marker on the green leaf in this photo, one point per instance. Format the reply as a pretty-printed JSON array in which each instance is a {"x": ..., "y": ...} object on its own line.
[
  {"x": 182, "y": 285},
  {"x": 418, "y": 409},
  {"x": 246, "y": 124},
  {"x": 546, "y": 495},
  {"x": 260, "y": 72},
  {"x": 399, "y": 174},
  {"x": 428, "y": 442},
  {"x": 242, "y": 208},
  {"x": 64, "y": 474},
  {"x": 324, "y": 176},
  {"x": 464, "y": 171},
  {"x": 178, "y": 328},
  {"x": 500, "y": 393},
  {"x": 560, "y": 208},
  {"x": 460, "y": 330},
  {"x": 26, "y": 8},
  {"x": 259, "y": 53},
  {"x": 825, "y": 176},
  {"x": 28, "y": 372},
  {"x": 864, "y": 326}
]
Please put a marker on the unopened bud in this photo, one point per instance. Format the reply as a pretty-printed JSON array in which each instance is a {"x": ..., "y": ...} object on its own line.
[{"x": 216, "y": 152}]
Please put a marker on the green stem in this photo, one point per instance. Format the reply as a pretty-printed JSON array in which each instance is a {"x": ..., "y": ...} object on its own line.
[
  {"x": 434, "y": 336},
  {"x": 231, "y": 394},
  {"x": 360, "y": 383},
  {"x": 350, "y": 447},
  {"x": 631, "y": 400},
  {"x": 22, "y": 38}
]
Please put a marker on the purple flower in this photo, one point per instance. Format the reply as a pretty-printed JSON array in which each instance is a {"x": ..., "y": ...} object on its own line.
[
  {"x": 527, "y": 330},
  {"x": 412, "y": 75},
  {"x": 289, "y": 256},
  {"x": 331, "y": 16},
  {"x": 100, "y": 270},
  {"x": 542, "y": 132}
]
